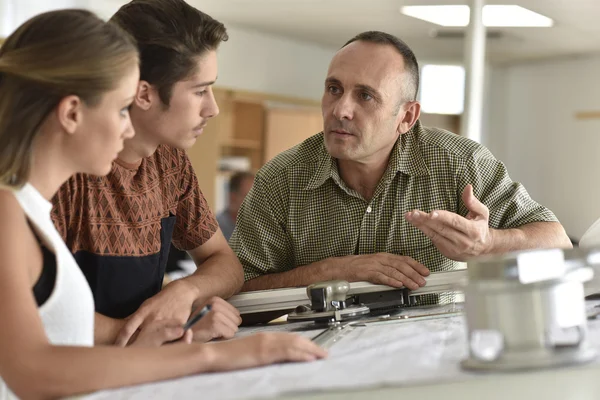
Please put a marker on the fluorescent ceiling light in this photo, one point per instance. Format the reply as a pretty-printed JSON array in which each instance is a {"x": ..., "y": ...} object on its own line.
[{"x": 493, "y": 15}]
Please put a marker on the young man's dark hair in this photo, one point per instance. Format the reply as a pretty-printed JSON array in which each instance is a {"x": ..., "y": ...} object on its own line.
[{"x": 171, "y": 35}]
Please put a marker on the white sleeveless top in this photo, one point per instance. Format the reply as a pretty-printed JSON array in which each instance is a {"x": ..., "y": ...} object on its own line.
[{"x": 68, "y": 314}]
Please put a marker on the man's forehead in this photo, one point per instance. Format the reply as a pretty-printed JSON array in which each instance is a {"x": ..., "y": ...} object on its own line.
[
  {"x": 379, "y": 78},
  {"x": 206, "y": 69},
  {"x": 369, "y": 53},
  {"x": 370, "y": 63}
]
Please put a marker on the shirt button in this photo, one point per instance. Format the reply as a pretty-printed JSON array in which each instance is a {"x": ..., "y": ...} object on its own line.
[{"x": 369, "y": 209}]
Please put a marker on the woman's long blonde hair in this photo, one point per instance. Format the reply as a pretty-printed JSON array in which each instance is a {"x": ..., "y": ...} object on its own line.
[{"x": 49, "y": 57}]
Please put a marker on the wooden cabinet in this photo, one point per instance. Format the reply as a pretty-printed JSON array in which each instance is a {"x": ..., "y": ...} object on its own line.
[
  {"x": 247, "y": 139},
  {"x": 288, "y": 126},
  {"x": 255, "y": 126}
]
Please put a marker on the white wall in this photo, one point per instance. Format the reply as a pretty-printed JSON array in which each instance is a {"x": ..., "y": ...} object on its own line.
[
  {"x": 271, "y": 64},
  {"x": 248, "y": 60},
  {"x": 14, "y": 12},
  {"x": 532, "y": 128}
]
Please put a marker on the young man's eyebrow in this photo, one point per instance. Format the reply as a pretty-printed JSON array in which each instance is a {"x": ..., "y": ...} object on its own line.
[{"x": 201, "y": 84}]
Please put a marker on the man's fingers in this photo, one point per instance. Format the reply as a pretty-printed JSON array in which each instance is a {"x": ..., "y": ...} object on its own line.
[
  {"x": 453, "y": 227},
  {"x": 224, "y": 327},
  {"x": 450, "y": 226},
  {"x": 171, "y": 333},
  {"x": 402, "y": 271},
  {"x": 418, "y": 219},
  {"x": 417, "y": 266},
  {"x": 215, "y": 325},
  {"x": 157, "y": 333},
  {"x": 130, "y": 327},
  {"x": 442, "y": 221},
  {"x": 473, "y": 204},
  {"x": 393, "y": 278},
  {"x": 188, "y": 336},
  {"x": 222, "y": 306}
]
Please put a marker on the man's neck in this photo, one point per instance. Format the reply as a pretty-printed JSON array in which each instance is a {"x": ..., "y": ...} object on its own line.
[
  {"x": 363, "y": 177},
  {"x": 137, "y": 148}
]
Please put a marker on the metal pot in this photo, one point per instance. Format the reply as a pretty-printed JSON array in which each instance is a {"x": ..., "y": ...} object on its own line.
[{"x": 527, "y": 310}]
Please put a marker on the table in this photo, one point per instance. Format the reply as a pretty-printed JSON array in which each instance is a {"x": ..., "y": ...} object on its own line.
[{"x": 419, "y": 359}]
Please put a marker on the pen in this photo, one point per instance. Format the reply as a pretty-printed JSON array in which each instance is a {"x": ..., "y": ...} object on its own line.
[{"x": 197, "y": 317}]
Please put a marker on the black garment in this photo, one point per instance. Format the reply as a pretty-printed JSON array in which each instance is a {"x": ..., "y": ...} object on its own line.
[{"x": 45, "y": 284}]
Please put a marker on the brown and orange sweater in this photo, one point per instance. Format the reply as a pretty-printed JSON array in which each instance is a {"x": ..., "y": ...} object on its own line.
[{"x": 120, "y": 227}]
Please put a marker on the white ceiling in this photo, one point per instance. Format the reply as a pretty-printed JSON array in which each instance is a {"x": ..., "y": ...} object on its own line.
[{"x": 332, "y": 22}]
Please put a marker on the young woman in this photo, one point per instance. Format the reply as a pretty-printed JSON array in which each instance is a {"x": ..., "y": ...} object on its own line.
[{"x": 66, "y": 81}]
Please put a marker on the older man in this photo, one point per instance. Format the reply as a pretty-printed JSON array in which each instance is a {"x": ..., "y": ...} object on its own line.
[{"x": 377, "y": 196}]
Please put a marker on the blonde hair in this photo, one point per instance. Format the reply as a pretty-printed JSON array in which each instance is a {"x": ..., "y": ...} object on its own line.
[{"x": 49, "y": 57}]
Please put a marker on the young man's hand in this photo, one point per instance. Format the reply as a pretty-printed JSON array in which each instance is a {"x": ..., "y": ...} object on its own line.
[{"x": 175, "y": 302}]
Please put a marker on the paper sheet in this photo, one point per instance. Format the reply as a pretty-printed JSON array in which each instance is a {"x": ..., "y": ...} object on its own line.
[{"x": 380, "y": 355}]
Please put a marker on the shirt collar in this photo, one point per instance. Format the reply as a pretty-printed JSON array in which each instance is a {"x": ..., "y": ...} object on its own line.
[
  {"x": 406, "y": 157},
  {"x": 326, "y": 168}
]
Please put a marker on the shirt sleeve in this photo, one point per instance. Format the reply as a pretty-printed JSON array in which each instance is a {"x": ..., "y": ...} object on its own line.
[
  {"x": 195, "y": 223},
  {"x": 509, "y": 203},
  {"x": 260, "y": 238}
]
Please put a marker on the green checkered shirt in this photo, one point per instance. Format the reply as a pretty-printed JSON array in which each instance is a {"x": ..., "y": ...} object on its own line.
[{"x": 300, "y": 211}]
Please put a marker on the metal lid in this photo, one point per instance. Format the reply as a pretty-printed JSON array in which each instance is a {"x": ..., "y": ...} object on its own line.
[{"x": 531, "y": 266}]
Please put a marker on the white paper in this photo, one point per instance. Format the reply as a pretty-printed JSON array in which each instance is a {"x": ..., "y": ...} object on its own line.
[{"x": 399, "y": 354}]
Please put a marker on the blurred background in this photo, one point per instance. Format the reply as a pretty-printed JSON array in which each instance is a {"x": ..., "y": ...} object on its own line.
[{"x": 541, "y": 101}]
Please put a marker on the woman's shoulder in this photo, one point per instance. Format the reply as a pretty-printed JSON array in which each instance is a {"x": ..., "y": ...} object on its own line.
[
  {"x": 8, "y": 202},
  {"x": 11, "y": 214}
]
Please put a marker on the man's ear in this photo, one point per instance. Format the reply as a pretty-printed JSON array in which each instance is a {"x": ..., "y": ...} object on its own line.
[
  {"x": 145, "y": 96},
  {"x": 410, "y": 112},
  {"x": 69, "y": 113}
]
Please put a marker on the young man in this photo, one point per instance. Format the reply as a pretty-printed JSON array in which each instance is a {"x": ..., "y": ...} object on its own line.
[
  {"x": 377, "y": 196},
  {"x": 120, "y": 227}
]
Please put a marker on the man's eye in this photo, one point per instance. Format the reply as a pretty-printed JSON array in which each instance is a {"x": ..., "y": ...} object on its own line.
[{"x": 365, "y": 96}]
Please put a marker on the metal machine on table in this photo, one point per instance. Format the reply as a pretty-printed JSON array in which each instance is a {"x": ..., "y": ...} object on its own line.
[
  {"x": 339, "y": 306},
  {"x": 339, "y": 300}
]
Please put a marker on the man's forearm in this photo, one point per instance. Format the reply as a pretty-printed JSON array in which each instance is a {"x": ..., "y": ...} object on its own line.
[
  {"x": 219, "y": 275},
  {"x": 106, "y": 329},
  {"x": 299, "y": 276},
  {"x": 536, "y": 235}
]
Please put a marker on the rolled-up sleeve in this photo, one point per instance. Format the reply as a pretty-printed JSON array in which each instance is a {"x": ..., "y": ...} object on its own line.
[
  {"x": 260, "y": 239},
  {"x": 509, "y": 203}
]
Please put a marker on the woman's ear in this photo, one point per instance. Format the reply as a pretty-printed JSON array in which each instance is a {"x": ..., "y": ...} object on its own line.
[{"x": 69, "y": 113}]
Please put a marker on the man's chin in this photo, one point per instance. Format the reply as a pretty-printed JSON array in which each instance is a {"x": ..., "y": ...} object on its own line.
[
  {"x": 184, "y": 144},
  {"x": 337, "y": 151}
]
